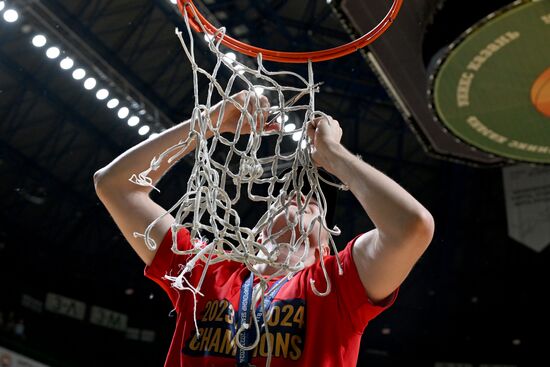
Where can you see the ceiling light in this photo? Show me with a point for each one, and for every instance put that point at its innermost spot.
(174, 1)
(280, 118)
(102, 94)
(11, 15)
(123, 113)
(303, 144)
(39, 40)
(230, 57)
(79, 74)
(90, 83)
(208, 37)
(289, 127)
(240, 69)
(259, 90)
(112, 103)
(66, 63)
(26, 29)
(297, 136)
(153, 135)
(2, 5)
(133, 121)
(144, 130)
(53, 53)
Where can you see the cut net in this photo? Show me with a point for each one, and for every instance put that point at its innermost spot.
(264, 167)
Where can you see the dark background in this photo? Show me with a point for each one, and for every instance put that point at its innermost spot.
(476, 296)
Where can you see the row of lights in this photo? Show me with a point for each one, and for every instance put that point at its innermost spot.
(11, 15)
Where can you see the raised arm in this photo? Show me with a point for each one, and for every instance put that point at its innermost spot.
(129, 204)
(404, 228)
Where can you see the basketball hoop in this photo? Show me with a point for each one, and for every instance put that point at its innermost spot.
(196, 19)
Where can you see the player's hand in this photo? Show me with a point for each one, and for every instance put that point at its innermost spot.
(324, 133)
(257, 107)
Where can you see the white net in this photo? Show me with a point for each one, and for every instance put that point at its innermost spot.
(265, 167)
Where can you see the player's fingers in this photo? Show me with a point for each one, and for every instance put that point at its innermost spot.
(318, 121)
(325, 120)
(253, 99)
(334, 124)
(331, 121)
(274, 126)
(264, 102)
(311, 127)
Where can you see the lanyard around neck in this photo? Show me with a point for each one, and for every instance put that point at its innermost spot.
(243, 315)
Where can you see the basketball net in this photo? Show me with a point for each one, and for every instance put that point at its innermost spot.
(246, 162)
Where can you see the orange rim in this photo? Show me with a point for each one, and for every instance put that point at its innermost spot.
(196, 19)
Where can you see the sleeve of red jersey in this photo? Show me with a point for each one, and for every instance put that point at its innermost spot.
(166, 262)
(352, 299)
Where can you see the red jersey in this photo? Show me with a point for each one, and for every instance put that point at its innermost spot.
(304, 329)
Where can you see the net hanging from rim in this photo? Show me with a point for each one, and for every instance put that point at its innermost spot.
(216, 225)
(229, 169)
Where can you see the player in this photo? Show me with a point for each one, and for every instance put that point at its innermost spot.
(304, 329)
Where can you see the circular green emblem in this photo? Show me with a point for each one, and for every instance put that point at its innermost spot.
(492, 89)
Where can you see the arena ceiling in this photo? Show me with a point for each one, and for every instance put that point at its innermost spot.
(475, 297)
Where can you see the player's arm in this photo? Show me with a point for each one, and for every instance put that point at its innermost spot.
(129, 204)
(404, 228)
